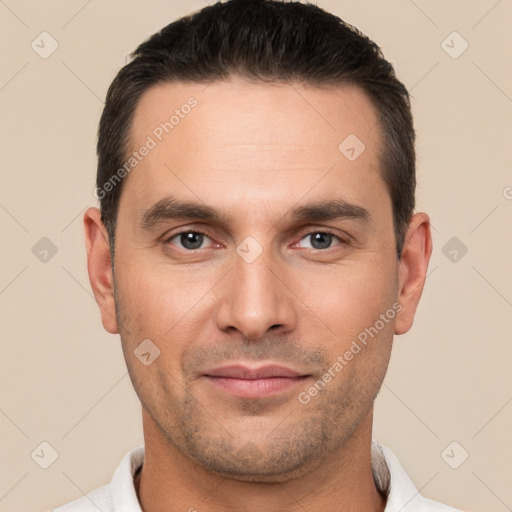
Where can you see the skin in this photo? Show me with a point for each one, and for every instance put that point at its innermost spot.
(255, 151)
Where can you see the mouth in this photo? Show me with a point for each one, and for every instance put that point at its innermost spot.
(263, 381)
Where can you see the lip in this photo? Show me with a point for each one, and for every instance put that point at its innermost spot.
(258, 382)
(238, 371)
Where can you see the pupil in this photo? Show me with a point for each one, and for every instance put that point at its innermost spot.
(191, 240)
(321, 240)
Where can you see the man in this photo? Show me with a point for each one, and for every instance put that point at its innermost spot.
(256, 249)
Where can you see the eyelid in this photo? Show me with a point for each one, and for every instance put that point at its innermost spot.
(343, 240)
(167, 237)
(308, 231)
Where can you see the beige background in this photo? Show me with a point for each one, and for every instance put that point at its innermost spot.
(63, 379)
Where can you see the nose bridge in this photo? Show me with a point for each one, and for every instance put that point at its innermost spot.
(254, 299)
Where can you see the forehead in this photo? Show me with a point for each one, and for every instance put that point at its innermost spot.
(261, 139)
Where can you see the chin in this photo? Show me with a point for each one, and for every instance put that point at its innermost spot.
(252, 464)
(257, 474)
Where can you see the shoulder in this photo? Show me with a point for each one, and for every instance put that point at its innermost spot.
(403, 495)
(426, 505)
(97, 499)
(119, 494)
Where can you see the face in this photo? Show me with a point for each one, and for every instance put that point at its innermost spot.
(270, 298)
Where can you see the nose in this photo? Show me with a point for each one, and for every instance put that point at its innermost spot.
(254, 299)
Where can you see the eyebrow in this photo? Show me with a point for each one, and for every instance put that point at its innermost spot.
(170, 208)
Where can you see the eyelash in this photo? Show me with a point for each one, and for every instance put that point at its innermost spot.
(309, 233)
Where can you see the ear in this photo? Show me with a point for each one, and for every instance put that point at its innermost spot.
(99, 266)
(413, 270)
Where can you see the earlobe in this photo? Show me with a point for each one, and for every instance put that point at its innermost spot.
(416, 254)
(99, 267)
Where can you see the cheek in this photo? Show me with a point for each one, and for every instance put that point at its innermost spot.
(350, 298)
(159, 304)
(159, 300)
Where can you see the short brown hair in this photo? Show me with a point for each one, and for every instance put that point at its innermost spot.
(264, 40)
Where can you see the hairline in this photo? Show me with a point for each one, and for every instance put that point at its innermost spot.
(326, 85)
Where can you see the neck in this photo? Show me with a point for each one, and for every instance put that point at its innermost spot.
(343, 482)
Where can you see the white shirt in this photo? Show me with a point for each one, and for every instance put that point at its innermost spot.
(390, 476)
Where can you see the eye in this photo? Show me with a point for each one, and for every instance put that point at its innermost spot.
(321, 239)
(189, 240)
